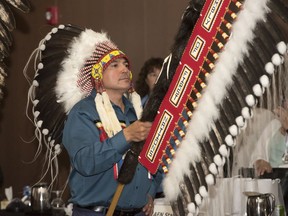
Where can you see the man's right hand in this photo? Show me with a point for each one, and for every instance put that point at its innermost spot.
(262, 166)
(137, 131)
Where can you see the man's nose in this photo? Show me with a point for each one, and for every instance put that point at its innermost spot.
(124, 68)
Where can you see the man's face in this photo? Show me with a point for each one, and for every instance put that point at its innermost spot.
(117, 76)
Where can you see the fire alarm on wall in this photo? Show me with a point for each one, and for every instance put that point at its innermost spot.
(52, 15)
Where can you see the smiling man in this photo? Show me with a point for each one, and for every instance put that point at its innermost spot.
(98, 132)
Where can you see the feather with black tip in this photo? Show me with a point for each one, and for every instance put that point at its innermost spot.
(6, 15)
(22, 5)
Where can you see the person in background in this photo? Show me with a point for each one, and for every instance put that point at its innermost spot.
(144, 85)
(147, 78)
(276, 145)
(98, 133)
(266, 137)
(277, 150)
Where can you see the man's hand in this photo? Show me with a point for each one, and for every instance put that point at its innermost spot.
(148, 209)
(137, 131)
(262, 166)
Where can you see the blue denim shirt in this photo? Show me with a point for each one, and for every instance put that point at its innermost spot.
(92, 180)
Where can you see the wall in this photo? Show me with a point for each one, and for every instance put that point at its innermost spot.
(141, 28)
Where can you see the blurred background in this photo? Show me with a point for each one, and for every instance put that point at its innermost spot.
(141, 28)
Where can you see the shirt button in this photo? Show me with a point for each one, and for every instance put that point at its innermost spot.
(136, 187)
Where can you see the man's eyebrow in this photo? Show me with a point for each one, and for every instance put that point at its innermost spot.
(120, 59)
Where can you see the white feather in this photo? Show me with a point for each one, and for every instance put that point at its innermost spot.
(170, 186)
(80, 50)
(253, 11)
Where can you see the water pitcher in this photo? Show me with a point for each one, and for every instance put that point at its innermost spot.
(260, 204)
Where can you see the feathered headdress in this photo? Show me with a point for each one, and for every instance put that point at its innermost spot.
(69, 63)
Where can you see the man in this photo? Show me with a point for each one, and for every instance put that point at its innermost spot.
(97, 134)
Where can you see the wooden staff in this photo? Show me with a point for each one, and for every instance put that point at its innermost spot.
(115, 199)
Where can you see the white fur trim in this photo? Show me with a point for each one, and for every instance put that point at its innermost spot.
(57, 149)
(39, 124)
(35, 83)
(269, 68)
(209, 179)
(61, 26)
(264, 80)
(104, 117)
(203, 191)
(213, 168)
(57, 146)
(276, 59)
(282, 47)
(191, 207)
(42, 47)
(229, 140)
(45, 131)
(198, 199)
(109, 113)
(223, 150)
(171, 187)
(35, 102)
(250, 100)
(257, 90)
(245, 112)
(40, 66)
(233, 130)
(54, 30)
(136, 101)
(36, 114)
(217, 160)
(48, 36)
(52, 143)
(240, 121)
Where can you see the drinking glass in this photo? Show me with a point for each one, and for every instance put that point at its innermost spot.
(57, 203)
